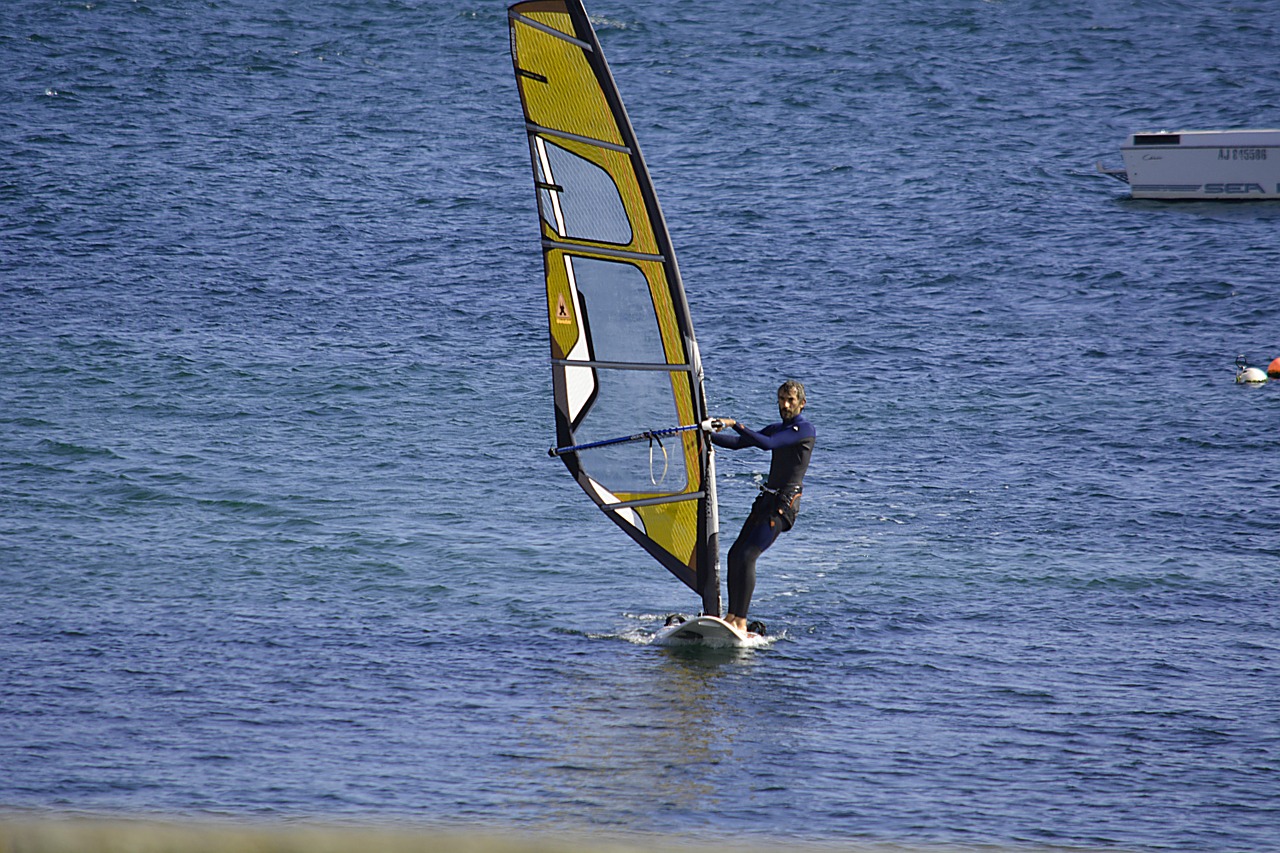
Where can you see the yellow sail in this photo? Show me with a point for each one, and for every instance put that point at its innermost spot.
(623, 355)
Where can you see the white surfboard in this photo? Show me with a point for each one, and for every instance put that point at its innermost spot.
(709, 631)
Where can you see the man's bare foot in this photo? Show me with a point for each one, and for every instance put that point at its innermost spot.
(739, 622)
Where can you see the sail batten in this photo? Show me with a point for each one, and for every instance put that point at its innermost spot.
(586, 250)
(621, 365)
(653, 501)
(551, 31)
(586, 140)
(623, 355)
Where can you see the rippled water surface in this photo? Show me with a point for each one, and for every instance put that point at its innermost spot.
(279, 537)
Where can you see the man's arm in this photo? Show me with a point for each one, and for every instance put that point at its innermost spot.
(732, 441)
(774, 436)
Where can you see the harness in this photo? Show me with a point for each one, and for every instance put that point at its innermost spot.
(774, 505)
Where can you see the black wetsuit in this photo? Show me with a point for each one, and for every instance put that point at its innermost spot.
(774, 511)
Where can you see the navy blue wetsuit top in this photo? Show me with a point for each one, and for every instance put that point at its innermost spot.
(791, 442)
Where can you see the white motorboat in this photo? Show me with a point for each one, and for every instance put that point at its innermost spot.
(1201, 164)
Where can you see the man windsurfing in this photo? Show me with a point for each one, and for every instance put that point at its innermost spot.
(774, 511)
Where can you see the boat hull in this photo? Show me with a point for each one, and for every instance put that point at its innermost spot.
(1204, 164)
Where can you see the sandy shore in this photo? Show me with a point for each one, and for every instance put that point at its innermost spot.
(46, 834)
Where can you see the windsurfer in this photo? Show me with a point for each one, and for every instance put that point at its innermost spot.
(774, 511)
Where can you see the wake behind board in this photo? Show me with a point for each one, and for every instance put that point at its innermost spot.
(710, 631)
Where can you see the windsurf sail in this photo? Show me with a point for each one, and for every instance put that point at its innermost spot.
(624, 363)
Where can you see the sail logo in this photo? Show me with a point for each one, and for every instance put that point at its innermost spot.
(562, 311)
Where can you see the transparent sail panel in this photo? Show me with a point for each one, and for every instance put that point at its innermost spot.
(629, 402)
(586, 204)
(620, 317)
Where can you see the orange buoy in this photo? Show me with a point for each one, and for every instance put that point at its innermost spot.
(1273, 369)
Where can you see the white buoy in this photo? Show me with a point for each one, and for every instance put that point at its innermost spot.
(1249, 375)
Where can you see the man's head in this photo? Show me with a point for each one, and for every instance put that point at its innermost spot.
(790, 399)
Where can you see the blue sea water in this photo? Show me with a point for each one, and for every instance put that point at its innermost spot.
(278, 533)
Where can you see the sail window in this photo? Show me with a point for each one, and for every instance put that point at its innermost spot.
(630, 401)
(578, 198)
(616, 302)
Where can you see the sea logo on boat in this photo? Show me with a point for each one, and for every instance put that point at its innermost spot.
(1234, 189)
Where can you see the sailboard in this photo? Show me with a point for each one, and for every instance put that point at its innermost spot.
(627, 377)
(707, 631)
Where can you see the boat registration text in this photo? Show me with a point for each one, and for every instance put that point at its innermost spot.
(1242, 153)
